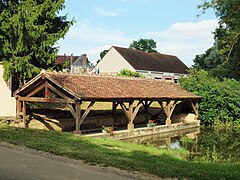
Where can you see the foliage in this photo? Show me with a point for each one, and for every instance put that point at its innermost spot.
(220, 99)
(227, 37)
(209, 60)
(146, 45)
(103, 53)
(126, 72)
(132, 157)
(151, 123)
(29, 31)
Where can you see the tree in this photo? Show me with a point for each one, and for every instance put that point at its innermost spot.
(29, 31)
(227, 35)
(147, 45)
(209, 60)
(103, 53)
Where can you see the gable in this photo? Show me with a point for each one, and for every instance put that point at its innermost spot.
(113, 62)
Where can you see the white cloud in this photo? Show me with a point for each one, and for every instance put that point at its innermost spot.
(87, 32)
(104, 12)
(89, 39)
(185, 40)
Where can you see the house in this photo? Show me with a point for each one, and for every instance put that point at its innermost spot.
(81, 65)
(7, 102)
(74, 64)
(151, 65)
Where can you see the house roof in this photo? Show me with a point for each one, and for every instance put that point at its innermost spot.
(141, 60)
(62, 58)
(95, 87)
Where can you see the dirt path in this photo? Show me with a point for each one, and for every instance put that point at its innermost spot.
(21, 163)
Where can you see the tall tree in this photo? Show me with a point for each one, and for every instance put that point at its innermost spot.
(227, 35)
(29, 31)
(147, 45)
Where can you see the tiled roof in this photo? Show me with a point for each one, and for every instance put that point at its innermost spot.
(140, 60)
(61, 59)
(105, 87)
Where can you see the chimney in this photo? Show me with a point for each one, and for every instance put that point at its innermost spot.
(84, 60)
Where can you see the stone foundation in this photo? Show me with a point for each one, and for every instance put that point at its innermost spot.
(146, 131)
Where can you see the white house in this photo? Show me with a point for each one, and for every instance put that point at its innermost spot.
(7, 102)
(151, 65)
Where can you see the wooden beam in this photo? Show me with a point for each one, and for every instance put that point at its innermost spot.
(114, 106)
(72, 111)
(37, 99)
(58, 92)
(87, 111)
(172, 108)
(125, 110)
(46, 89)
(195, 108)
(136, 109)
(146, 104)
(35, 91)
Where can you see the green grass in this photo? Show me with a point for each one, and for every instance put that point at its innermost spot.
(132, 157)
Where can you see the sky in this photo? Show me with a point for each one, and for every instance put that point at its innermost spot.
(173, 24)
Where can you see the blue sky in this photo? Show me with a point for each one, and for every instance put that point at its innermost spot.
(172, 23)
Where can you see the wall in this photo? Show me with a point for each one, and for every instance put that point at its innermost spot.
(112, 63)
(7, 103)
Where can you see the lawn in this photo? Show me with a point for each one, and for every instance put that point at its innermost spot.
(132, 157)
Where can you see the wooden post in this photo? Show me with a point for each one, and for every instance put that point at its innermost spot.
(146, 104)
(114, 107)
(24, 114)
(168, 109)
(131, 113)
(19, 110)
(195, 108)
(78, 116)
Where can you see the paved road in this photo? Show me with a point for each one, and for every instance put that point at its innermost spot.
(26, 164)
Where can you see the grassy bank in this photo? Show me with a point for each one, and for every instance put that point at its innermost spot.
(164, 163)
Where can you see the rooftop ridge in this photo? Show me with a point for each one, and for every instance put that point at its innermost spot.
(109, 76)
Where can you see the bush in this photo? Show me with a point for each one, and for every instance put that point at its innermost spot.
(126, 72)
(221, 99)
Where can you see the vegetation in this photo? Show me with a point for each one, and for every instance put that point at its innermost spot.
(29, 29)
(133, 157)
(126, 72)
(222, 60)
(220, 101)
(103, 53)
(146, 45)
(220, 144)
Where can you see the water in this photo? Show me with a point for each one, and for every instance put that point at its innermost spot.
(217, 145)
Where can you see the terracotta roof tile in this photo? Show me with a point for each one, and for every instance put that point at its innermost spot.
(105, 87)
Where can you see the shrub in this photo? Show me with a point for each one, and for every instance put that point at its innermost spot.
(126, 72)
(221, 99)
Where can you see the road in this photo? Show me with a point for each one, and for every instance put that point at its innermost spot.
(22, 163)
